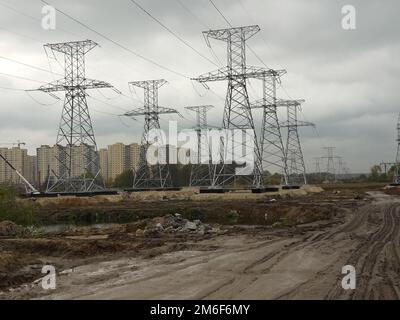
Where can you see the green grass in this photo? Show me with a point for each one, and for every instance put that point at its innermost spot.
(356, 186)
(13, 210)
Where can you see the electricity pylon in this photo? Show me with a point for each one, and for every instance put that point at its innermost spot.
(201, 171)
(78, 160)
(237, 111)
(330, 166)
(396, 178)
(271, 142)
(294, 154)
(152, 175)
(317, 166)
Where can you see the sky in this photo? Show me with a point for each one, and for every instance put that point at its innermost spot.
(348, 78)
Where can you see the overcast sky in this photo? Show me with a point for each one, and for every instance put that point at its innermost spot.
(349, 78)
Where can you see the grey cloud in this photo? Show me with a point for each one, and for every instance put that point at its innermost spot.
(349, 78)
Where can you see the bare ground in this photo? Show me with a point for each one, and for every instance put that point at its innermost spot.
(302, 261)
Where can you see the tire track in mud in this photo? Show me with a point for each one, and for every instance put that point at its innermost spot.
(387, 234)
(373, 260)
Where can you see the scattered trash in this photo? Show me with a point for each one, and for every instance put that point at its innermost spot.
(175, 224)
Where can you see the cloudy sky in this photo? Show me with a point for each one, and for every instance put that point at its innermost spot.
(349, 78)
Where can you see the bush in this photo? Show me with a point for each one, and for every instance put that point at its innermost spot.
(13, 210)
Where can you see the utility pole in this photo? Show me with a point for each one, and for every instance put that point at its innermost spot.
(237, 111)
(294, 154)
(151, 176)
(78, 160)
(271, 142)
(201, 172)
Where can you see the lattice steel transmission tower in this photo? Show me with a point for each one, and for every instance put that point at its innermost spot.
(317, 166)
(294, 154)
(151, 176)
(330, 166)
(396, 178)
(202, 171)
(271, 142)
(78, 160)
(237, 111)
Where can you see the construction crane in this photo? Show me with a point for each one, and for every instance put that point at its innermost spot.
(28, 186)
(18, 143)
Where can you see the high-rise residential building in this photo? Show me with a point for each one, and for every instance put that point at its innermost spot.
(103, 158)
(21, 161)
(47, 163)
(117, 159)
(83, 156)
(5, 172)
(134, 156)
(113, 160)
(30, 169)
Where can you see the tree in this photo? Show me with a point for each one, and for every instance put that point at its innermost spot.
(375, 173)
(124, 180)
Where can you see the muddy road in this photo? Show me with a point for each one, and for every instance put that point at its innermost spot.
(304, 262)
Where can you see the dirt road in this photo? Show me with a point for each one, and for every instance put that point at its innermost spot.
(300, 263)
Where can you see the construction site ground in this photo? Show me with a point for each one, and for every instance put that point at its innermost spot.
(185, 245)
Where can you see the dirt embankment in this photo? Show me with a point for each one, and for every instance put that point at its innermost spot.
(23, 251)
(214, 208)
(158, 227)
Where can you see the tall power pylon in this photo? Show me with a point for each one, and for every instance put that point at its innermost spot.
(396, 178)
(330, 166)
(317, 166)
(271, 142)
(202, 171)
(294, 154)
(149, 176)
(78, 160)
(237, 111)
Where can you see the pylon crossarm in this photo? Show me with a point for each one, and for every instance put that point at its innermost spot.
(227, 73)
(145, 111)
(260, 72)
(259, 104)
(146, 83)
(217, 75)
(61, 85)
(298, 124)
(225, 34)
(66, 47)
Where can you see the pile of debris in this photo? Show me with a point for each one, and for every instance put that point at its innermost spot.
(10, 229)
(176, 224)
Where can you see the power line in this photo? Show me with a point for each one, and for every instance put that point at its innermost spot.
(11, 89)
(20, 77)
(227, 21)
(173, 33)
(192, 14)
(41, 69)
(107, 103)
(221, 14)
(28, 65)
(118, 44)
(32, 17)
(205, 27)
(19, 34)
